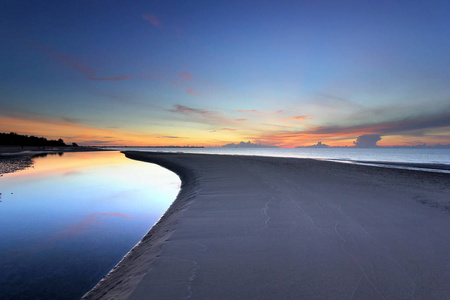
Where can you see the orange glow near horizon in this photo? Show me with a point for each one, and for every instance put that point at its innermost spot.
(87, 135)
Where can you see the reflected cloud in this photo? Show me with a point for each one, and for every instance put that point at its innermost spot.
(115, 214)
(88, 222)
(47, 154)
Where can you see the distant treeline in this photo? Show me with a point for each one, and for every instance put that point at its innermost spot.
(14, 139)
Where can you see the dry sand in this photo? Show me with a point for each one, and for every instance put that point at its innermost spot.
(282, 228)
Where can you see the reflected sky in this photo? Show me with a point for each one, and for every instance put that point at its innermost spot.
(69, 219)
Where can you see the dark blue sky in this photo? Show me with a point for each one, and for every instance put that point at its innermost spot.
(212, 72)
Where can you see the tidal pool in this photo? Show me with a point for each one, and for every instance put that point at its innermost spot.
(70, 218)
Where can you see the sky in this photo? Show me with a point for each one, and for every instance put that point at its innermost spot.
(208, 73)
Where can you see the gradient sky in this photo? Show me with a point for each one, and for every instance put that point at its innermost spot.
(285, 73)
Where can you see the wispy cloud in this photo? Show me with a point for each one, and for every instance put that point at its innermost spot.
(79, 65)
(415, 126)
(186, 75)
(192, 92)
(71, 62)
(390, 127)
(111, 78)
(298, 118)
(224, 129)
(258, 112)
(189, 110)
(179, 31)
(183, 77)
(149, 76)
(253, 111)
(70, 120)
(206, 114)
(335, 101)
(171, 137)
(152, 19)
(240, 120)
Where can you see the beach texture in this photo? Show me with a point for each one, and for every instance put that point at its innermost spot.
(282, 228)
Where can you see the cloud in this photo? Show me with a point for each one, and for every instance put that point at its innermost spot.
(192, 92)
(179, 31)
(210, 115)
(391, 127)
(171, 137)
(151, 19)
(276, 125)
(80, 66)
(240, 120)
(253, 111)
(98, 142)
(111, 78)
(224, 129)
(417, 126)
(150, 76)
(335, 101)
(186, 75)
(298, 118)
(185, 109)
(72, 62)
(367, 141)
(258, 112)
(70, 120)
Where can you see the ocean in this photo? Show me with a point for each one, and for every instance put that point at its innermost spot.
(424, 159)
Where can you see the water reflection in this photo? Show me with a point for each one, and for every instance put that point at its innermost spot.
(47, 154)
(69, 219)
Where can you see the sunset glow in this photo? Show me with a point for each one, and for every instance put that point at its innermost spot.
(202, 73)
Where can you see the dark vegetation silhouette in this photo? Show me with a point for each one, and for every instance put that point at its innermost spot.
(14, 139)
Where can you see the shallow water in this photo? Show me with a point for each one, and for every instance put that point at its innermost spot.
(68, 220)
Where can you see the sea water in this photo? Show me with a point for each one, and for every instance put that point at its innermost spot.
(70, 218)
(372, 156)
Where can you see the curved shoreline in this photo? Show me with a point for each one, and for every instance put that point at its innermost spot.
(262, 227)
(119, 283)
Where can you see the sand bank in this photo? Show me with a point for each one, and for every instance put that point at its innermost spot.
(281, 228)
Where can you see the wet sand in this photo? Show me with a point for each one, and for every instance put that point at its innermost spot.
(283, 228)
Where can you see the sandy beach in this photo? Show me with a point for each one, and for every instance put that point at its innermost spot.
(280, 228)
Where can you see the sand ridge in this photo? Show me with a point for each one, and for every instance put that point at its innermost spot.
(285, 228)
